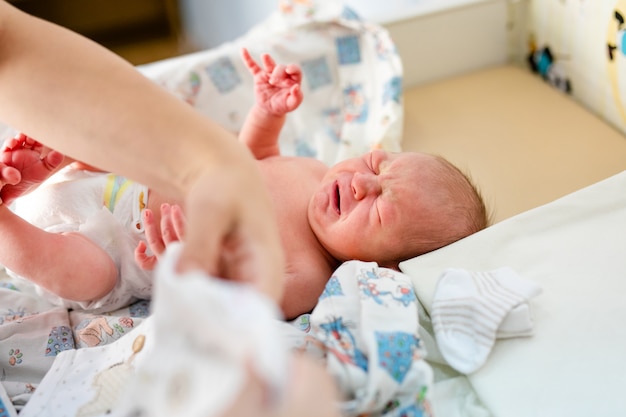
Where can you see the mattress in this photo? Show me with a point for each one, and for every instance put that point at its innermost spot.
(574, 248)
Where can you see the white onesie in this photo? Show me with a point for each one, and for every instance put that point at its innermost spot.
(104, 207)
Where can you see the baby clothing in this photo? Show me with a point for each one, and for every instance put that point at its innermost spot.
(105, 208)
(471, 309)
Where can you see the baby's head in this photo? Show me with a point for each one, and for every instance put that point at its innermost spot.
(389, 207)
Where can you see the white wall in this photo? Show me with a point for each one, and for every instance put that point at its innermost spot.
(441, 38)
(435, 38)
(209, 23)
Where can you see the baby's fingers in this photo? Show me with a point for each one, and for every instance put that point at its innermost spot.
(294, 72)
(285, 76)
(172, 224)
(269, 63)
(278, 77)
(250, 63)
(295, 98)
(178, 221)
(145, 261)
(153, 234)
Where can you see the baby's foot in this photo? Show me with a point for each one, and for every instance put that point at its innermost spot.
(23, 166)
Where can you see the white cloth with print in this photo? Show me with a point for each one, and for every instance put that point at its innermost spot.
(6, 407)
(90, 382)
(352, 80)
(204, 332)
(366, 326)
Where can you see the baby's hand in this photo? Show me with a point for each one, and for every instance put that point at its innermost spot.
(171, 230)
(277, 87)
(24, 164)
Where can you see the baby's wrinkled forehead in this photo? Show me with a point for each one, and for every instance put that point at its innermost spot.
(422, 162)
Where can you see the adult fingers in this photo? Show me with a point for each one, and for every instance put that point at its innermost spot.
(247, 258)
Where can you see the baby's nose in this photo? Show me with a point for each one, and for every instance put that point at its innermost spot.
(364, 184)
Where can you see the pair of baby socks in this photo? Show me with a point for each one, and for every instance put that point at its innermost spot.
(471, 309)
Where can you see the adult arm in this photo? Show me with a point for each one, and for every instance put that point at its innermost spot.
(79, 98)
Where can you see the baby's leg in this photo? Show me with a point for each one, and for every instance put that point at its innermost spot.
(68, 264)
(24, 164)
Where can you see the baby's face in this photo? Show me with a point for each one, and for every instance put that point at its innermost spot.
(365, 206)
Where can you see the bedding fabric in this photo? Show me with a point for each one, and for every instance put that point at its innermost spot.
(352, 80)
(366, 324)
(190, 357)
(365, 327)
(575, 249)
(33, 332)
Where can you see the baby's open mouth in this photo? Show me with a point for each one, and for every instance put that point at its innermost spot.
(337, 199)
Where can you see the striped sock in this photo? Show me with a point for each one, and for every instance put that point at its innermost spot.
(469, 309)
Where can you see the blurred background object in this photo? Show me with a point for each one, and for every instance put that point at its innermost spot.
(144, 31)
(139, 30)
(209, 23)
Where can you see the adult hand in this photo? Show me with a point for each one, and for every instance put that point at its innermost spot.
(231, 230)
(99, 109)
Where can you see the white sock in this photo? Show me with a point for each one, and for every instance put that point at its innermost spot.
(469, 309)
(517, 323)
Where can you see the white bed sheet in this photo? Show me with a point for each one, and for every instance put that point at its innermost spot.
(575, 249)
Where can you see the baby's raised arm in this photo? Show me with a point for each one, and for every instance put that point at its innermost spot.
(277, 91)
